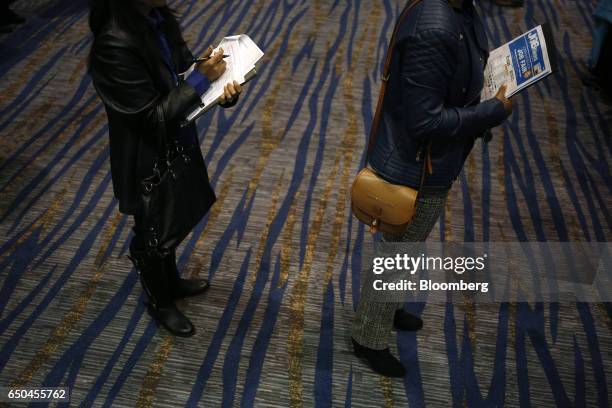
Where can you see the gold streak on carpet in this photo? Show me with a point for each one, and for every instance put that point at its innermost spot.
(22, 176)
(386, 386)
(62, 330)
(470, 313)
(369, 56)
(347, 149)
(48, 217)
(605, 315)
(297, 301)
(27, 124)
(556, 165)
(298, 298)
(22, 75)
(287, 244)
(579, 36)
(318, 18)
(266, 228)
(501, 185)
(475, 193)
(468, 303)
(151, 379)
(270, 135)
(448, 236)
(200, 262)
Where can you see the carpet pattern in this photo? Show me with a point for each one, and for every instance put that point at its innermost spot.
(280, 246)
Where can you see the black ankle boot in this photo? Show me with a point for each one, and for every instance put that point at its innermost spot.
(182, 288)
(381, 361)
(155, 281)
(405, 321)
(172, 319)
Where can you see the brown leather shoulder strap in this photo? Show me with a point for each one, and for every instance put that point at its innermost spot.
(385, 77)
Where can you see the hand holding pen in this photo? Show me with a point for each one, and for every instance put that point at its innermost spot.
(202, 59)
(211, 65)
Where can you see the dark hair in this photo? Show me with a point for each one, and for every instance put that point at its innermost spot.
(128, 18)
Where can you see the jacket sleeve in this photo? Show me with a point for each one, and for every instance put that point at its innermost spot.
(123, 81)
(427, 68)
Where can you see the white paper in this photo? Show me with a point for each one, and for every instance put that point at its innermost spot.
(518, 64)
(243, 55)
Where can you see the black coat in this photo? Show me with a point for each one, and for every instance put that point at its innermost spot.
(142, 102)
(432, 97)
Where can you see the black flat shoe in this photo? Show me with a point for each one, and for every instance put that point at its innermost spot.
(189, 287)
(381, 361)
(172, 319)
(406, 322)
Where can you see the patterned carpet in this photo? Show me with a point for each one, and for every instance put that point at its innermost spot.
(280, 246)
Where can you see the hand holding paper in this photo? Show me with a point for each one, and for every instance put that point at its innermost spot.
(230, 92)
(242, 55)
(501, 95)
(520, 63)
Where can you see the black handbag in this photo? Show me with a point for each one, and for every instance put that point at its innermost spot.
(175, 197)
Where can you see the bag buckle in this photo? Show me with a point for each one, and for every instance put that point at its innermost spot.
(385, 77)
(374, 226)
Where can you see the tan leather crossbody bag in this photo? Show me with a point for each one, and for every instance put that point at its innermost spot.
(379, 204)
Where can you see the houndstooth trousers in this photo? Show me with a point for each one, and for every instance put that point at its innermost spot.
(373, 320)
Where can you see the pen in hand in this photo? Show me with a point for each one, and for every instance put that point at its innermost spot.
(202, 59)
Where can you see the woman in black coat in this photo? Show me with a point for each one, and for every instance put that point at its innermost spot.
(136, 61)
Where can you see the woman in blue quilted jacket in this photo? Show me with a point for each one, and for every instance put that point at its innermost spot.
(431, 116)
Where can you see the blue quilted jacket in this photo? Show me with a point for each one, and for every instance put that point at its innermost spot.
(432, 97)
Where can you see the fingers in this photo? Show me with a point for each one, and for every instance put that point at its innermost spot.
(237, 87)
(215, 65)
(217, 57)
(224, 97)
(208, 52)
(234, 89)
(231, 89)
